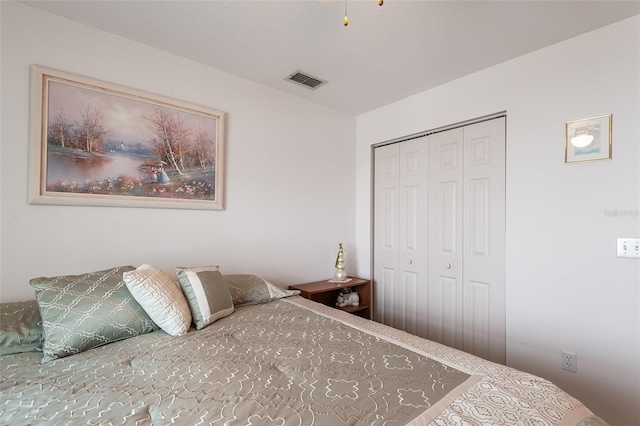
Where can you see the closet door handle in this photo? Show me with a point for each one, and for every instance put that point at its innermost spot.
(410, 261)
(448, 266)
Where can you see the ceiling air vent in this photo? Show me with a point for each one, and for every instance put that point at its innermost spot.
(304, 79)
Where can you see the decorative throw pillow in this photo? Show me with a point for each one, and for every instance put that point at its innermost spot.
(161, 297)
(249, 289)
(207, 293)
(80, 312)
(20, 327)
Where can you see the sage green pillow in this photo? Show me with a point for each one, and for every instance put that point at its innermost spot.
(247, 289)
(80, 312)
(20, 327)
(207, 293)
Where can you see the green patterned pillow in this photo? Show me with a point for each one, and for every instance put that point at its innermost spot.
(207, 293)
(80, 312)
(20, 328)
(249, 289)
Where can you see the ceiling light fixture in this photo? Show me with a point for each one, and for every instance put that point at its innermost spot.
(345, 21)
(582, 138)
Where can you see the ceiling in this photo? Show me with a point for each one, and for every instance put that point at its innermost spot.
(385, 53)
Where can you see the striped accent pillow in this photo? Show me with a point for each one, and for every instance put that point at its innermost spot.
(207, 293)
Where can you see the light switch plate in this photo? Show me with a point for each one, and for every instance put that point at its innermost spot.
(629, 247)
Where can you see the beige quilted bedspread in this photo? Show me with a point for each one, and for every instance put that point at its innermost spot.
(279, 364)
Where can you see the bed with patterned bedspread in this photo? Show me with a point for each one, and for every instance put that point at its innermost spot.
(287, 361)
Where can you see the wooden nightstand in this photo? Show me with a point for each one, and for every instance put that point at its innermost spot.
(326, 293)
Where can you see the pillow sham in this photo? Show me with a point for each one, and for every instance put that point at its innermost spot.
(161, 297)
(20, 327)
(207, 293)
(247, 289)
(80, 312)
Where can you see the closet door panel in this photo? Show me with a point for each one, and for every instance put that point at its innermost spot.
(478, 333)
(385, 232)
(444, 318)
(406, 306)
(406, 298)
(448, 217)
(444, 224)
(386, 288)
(412, 254)
(400, 235)
(484, 230)
(479, 217)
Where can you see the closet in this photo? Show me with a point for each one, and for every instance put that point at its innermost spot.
(439, 236)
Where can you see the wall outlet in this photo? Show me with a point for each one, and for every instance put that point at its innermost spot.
(629, 247)
(570, 362)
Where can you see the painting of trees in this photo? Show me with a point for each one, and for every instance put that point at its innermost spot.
(91, 129)
(86, 135)
(202, 148)
(176, 144)
(121, 146)
(61, 130)
(170, 136)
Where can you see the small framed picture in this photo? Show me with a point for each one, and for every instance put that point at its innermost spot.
(588, 139)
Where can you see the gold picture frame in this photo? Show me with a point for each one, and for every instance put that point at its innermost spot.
(589, 139)
(94, 143)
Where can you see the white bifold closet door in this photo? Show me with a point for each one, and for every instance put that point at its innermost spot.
(439, 237)
(400, 234)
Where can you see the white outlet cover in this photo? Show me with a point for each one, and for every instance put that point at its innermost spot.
(570, 362)
(629, 247)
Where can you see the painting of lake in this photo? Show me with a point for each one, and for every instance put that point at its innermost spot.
(103, 142)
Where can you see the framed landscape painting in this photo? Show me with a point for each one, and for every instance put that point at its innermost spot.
(100, 144)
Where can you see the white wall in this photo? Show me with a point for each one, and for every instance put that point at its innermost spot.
(289, 170)
(566, 290)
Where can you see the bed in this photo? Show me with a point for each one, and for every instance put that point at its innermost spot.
(275, 359)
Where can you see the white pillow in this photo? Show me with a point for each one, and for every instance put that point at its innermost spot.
(160, 297)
